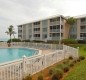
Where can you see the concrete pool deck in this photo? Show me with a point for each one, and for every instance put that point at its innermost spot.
(43, 51)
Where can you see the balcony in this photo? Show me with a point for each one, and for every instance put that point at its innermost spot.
(36, 26)
(56, 38)
(37, 32)
(83, 30)
(55, 23)
(19, 28)
(36, 38)
(56, 30)
(83, 23)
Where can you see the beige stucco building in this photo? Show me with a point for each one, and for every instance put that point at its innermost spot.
(53, 28)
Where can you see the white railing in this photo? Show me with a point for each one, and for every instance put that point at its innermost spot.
(19, 69)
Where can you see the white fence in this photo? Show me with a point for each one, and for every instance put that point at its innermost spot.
(16, 70)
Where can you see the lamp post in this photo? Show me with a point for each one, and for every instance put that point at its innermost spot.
(60, 34)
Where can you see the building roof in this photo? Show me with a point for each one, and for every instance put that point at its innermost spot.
(50, 17)
(80, 16)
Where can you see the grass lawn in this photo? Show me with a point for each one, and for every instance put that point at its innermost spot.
(79, 71)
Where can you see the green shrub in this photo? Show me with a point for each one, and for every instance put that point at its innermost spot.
(14, 40)
(65, 61)
(71, 64)
(57, 75)
(78, 59)
(50, 71)
(81, 57)
(65, 68)
(74, 61)
(53, 41)
(60, 66)
(69, 41)
(25, 40)
(40, 77)
(70, 58)
(28, 77)
(82, 41)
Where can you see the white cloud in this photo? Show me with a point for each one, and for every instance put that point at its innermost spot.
(20, 11)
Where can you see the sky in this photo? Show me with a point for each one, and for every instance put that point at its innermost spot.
(15, 12)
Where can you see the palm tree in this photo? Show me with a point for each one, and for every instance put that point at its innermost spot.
(10, 32)
(71, 21)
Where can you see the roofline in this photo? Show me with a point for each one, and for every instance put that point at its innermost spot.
(80, 16)
(43, 19)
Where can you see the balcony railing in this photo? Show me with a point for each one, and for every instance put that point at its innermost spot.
(56, 30)
(54, 23)
(83, 23)
(56, 38)
(36, 26)
(19, 28)
(36, 38)
(36, 31)
(83, 30)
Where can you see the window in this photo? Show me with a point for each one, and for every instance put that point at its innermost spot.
(19, 35)
(36, 23)
(82, 19)
(20, 26)
(55, 19)
(45, 36)
(82, 34)
(44, 29)
(36, 35)
(83, 27)
(19, 31)
(36, 29)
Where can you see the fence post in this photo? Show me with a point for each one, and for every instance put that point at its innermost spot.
(63, 50)
(77, 52)
(24, 61)
(45, 60)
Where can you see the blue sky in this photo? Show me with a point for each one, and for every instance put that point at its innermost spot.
(14, 12)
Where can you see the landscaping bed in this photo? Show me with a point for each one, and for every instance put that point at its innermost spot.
(57, 71)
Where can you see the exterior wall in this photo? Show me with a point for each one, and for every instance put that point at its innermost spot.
(28, 32)
(44, 29)
(78, 28)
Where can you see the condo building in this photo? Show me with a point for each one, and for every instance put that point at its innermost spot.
(53, 28)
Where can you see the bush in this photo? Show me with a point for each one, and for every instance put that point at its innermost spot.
(28, 77)
(50, 71)
(26, 41)
(14, 40)
(71, 64)
(70, 58)
(65, 68)
(59, 66)
(37, 41)
(53, 41)
(81, 57)
(69, 41)
(74, 61)
(78, 59)
(40, 77)
(57, 75)
(66, 62)
(82, 41)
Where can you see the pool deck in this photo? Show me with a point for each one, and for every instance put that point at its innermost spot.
(43, 51)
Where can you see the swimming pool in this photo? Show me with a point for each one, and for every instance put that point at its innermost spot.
(10, 54)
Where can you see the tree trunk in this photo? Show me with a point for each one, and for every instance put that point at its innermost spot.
(14, 36)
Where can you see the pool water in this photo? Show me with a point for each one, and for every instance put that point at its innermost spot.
(10, 54)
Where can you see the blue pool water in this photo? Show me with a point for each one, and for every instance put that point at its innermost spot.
(10, 54)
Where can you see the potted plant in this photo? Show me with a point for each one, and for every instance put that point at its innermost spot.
(9, 43)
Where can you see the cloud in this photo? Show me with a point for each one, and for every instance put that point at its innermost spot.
(14, 12)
